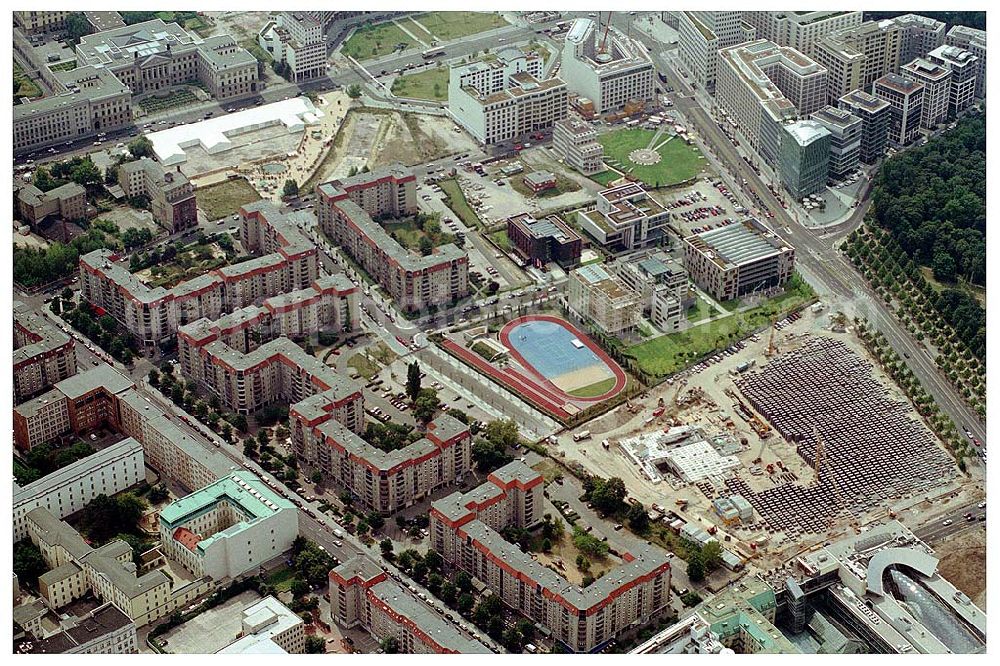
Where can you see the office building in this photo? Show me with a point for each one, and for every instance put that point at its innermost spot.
(855, 57)
(68, 490)
(67, 202)
(40, 23)
(662, 285)
(973, 41)
(692, 635)
(805, 157)
(104, 630)
(170, 194)
(298, 40)
(501, 100)
(874, 114)
(465, 530)
(549, 239)
(269, 627)
(921, 35)
(601, 64)
(800, 30)
(348, 210)
(602, 298)
(762, 85)
(43, 355)
(363, 595)
(76, 570)
(936, 81)
(905, 98)
(964, 68)
(700, 37)
(229, 527)
(625, 217)
(738, 259)
(575, 142)
(845, 139)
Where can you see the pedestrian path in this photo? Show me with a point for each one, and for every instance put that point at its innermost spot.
(410, 34)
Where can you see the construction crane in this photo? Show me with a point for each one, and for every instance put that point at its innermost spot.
(602, 49)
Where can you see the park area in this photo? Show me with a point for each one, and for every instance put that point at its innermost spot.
(656, 157)
(225, 198)
(445, 26)
(671, 353)
(430, 84)
(381, 39)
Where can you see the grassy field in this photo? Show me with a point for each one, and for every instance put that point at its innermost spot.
(25, 86)
(455, 200)
(563, 185)
(431, 84)
(446, 26)
(595, 389)
(154, 104)
(670, 353)
(282, 579)
(678, 161)
(365, 367)
(224, 199)
(373, 41)
(605, 178)
(699, 310)
(502, 240)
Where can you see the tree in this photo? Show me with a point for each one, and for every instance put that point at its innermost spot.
(696, 567)
(315, 645)
(299, 588)
(154, 378)
(354, 91)
(141, 147)
(711, 555)
(463, 581)
(316, 476)
(158, 494)
(77, 26)
(390, 645)
(28, 562)
(638, 519)
(413, 380)
(385, 545)
(426, 245)
(375, 520)
(426, 405)
(291, 188)
(492, 287)
(433, 560)
(263, 438)
(464, 604)
(448, 592)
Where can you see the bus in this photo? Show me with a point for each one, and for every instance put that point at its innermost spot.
(432, 53)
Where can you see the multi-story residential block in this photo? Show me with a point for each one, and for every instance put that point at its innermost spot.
(504, 99)
(805, 157)
(604, 299)
(43, 355)
(228, 527)
(465, 530)
(605, 66)
(575, 142)
(936, 80)
(855, 57)
(906, 100)
(87, 100)
(542, 241)
(762, 85)
(845, 139)
(67, 202)
(104, 630)
(70, 489)
(964, 68)
(700, 37)
(662, 285)
(625, 217)
(269, 627)
(170, 194)
(874, 114)
(298, 40)
(39, 23)
(348, 210)
(800, 30)
(76, 569)
(921, 35)
(362, 594)
(973, 41)
(738, 259)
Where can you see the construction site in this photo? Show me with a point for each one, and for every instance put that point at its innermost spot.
(781, 442)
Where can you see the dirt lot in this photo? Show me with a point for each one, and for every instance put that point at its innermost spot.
(963, 563)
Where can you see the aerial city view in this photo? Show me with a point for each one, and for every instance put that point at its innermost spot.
(512, 332)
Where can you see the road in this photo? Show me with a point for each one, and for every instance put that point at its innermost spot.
(957, 522)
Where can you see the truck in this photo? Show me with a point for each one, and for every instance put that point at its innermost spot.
(580, 436)
(338, 534)
(606, 444)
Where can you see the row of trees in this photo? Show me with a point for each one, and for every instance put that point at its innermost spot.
(102, 329)
(185, 395)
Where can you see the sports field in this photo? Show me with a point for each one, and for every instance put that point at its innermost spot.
(678, 161)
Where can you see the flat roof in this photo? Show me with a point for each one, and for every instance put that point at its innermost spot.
(101, 376)
(738, 243)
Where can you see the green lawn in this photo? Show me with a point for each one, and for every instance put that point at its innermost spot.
(502, 240)
(64, 66)
(282, 579)
(595, 389)
(408, 234)
(222, 199)
(446, 26)
(670, 353)
(455, 200)
(678, 161)
(379, 39)
(365, 367)
(25, 86)
(431, 84)
(699, 310)
(605, 178)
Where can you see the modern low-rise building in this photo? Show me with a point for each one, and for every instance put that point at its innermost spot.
(43, 355)
(625, 217)
(936, 81)
(737, 259)
(170, 194)
(874, 114)
(540, 241)
(845, 139)
(662, 285)
(905, 97)
(603, 298)
(805, 157)
(269, 627)
(605, 66)
(67, 202)
(465, 530)
(964, 68)
(298, 40)
(500, 100)
(575, 142)
(539, 181)
(973, 41)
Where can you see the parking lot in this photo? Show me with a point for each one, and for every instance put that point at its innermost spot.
(212, 630)
(705, 205)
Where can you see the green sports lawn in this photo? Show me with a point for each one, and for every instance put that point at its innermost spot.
(678, 161)
(595, 389)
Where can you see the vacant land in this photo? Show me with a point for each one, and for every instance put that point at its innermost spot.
(431, 84)
(379, 39)
(222, 199)
(678, 161)
(963, 563)
(366, 367)
(670, 353)
(445, 26)
(455, 200)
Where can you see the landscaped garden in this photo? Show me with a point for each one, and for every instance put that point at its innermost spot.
(665, 161)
